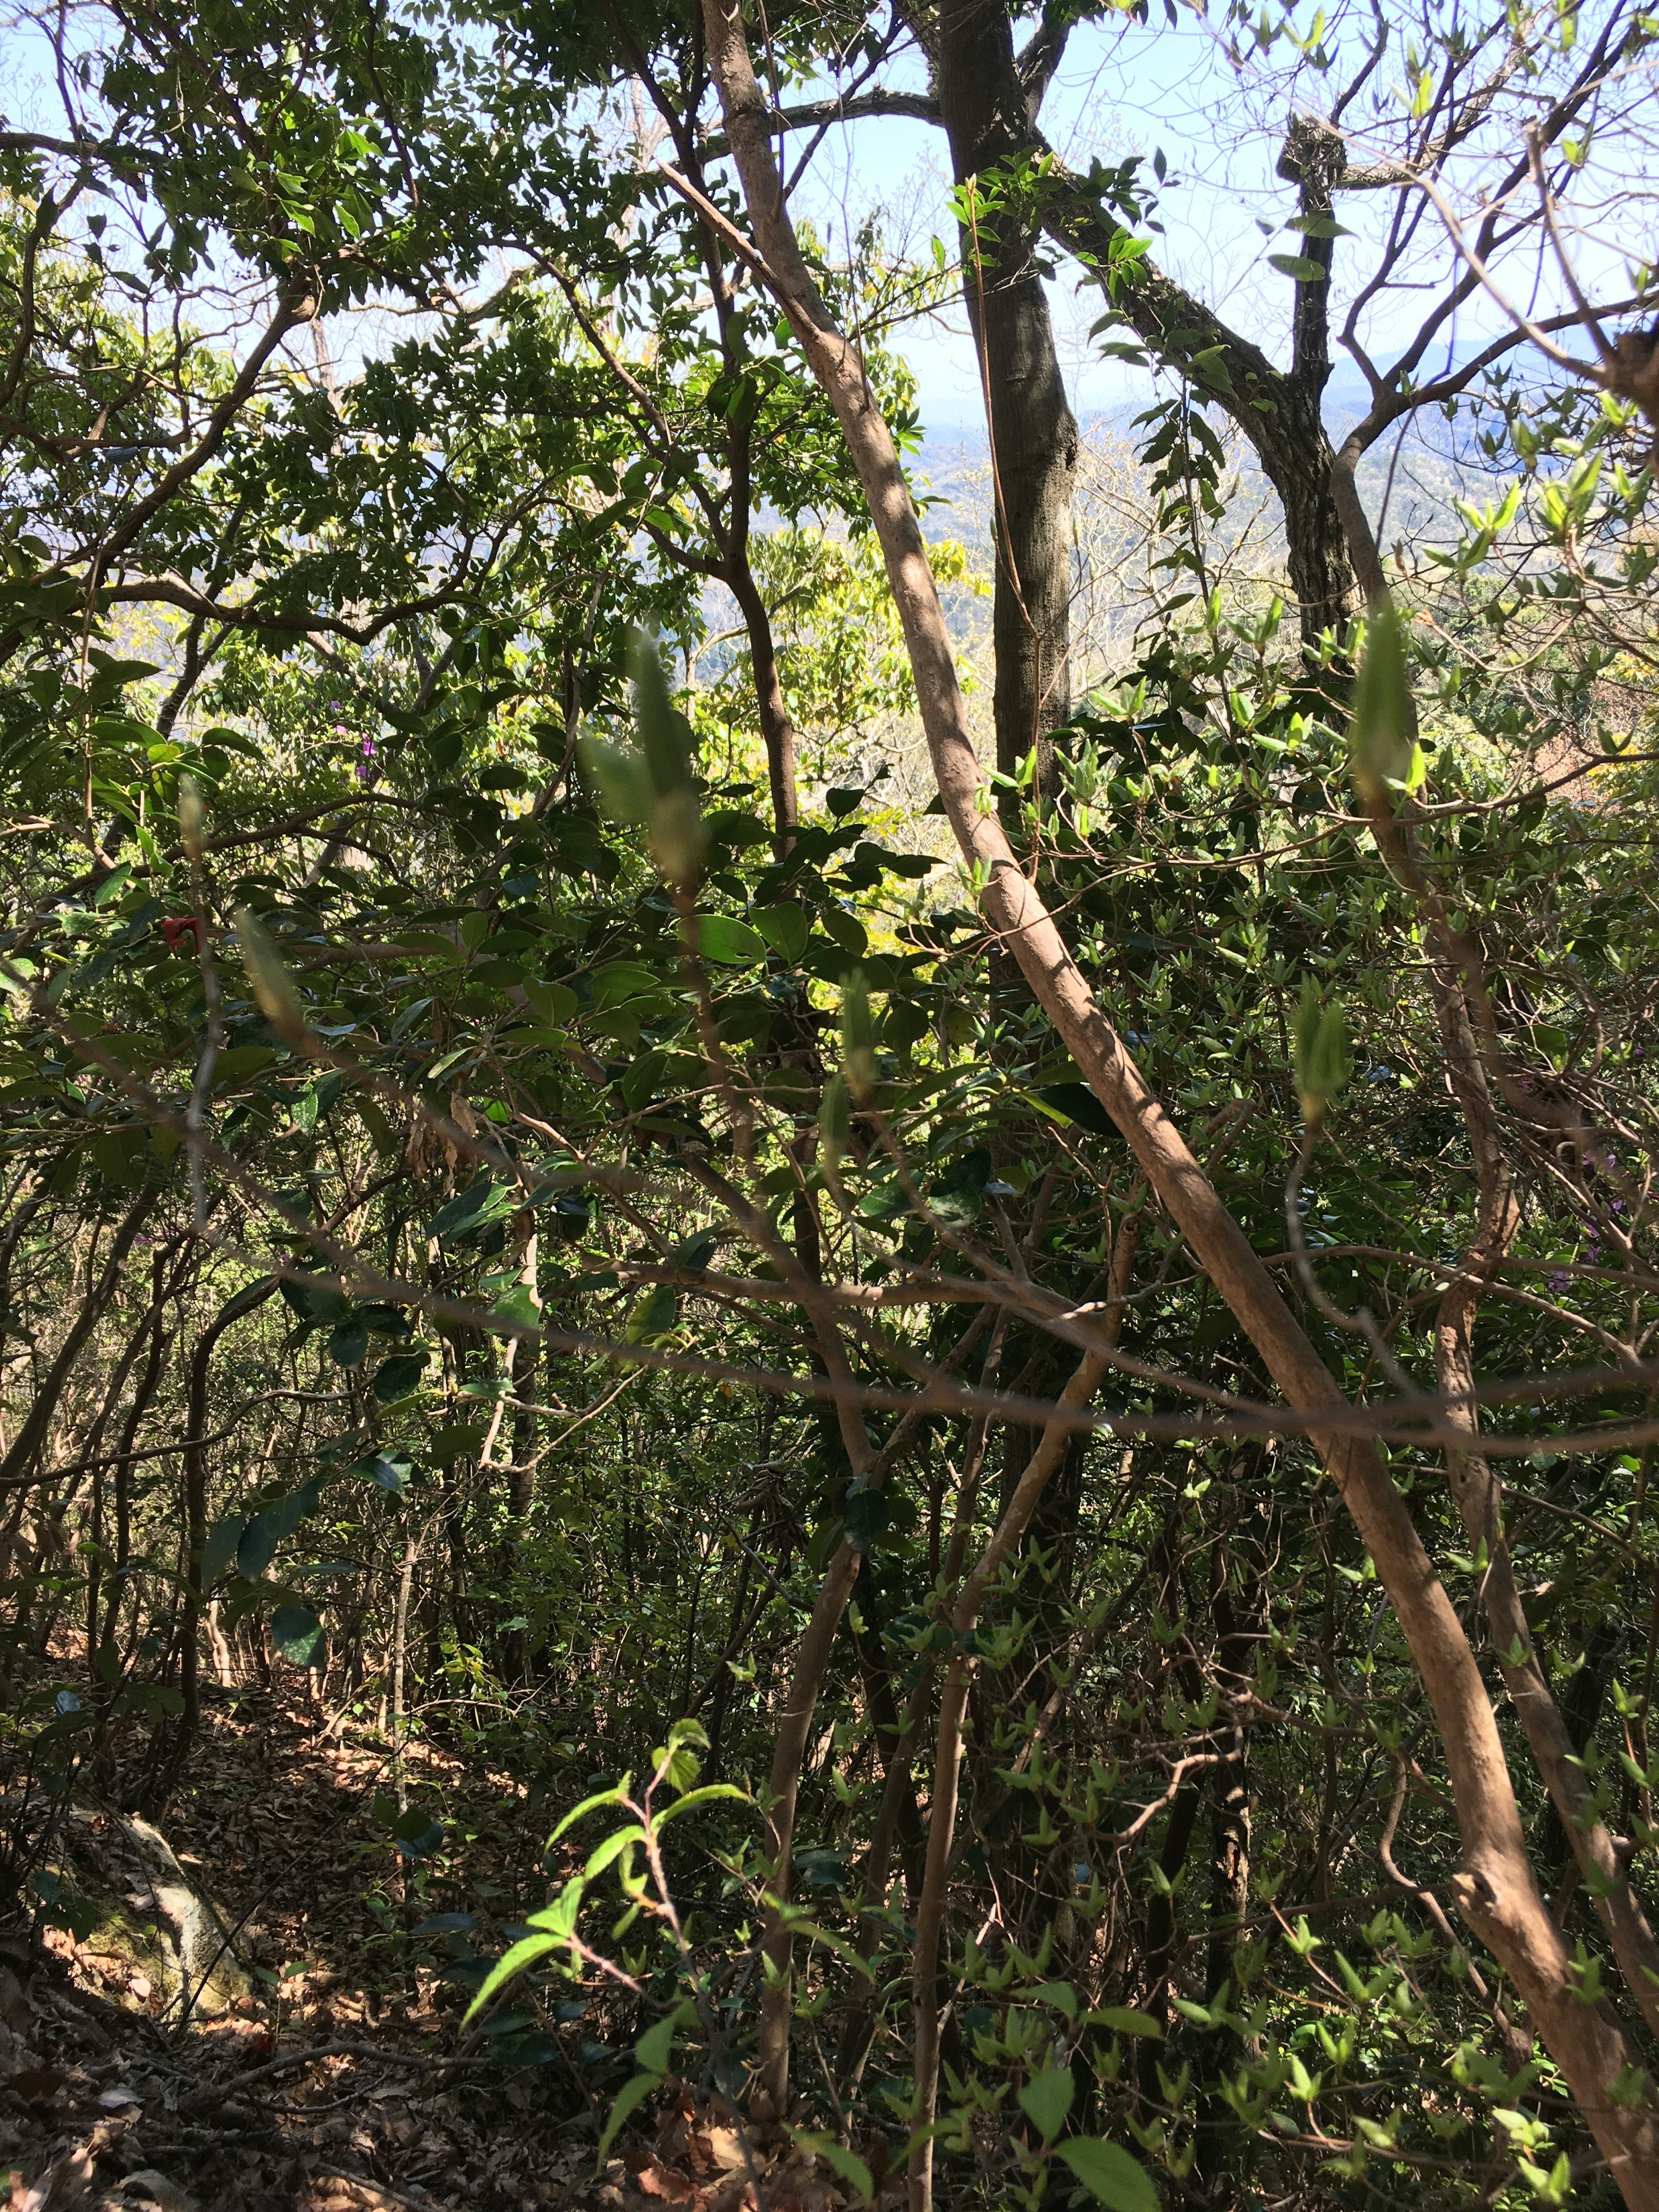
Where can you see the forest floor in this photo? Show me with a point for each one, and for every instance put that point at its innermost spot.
(338, 2079)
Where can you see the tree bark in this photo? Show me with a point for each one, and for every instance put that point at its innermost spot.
(171, 1756)
(1033, 433)
(1495, 1889)
(16, 1468)
(1277, 413)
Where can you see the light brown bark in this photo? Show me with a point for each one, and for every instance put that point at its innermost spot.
(1495, 1889)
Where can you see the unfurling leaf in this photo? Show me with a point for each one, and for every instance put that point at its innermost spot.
(1321, 1052)
(1382, 736)
(654, 783)
(273, 987)
(834, 1121)
(857, 1038)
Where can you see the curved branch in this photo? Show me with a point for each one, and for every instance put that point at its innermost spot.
(814, 114)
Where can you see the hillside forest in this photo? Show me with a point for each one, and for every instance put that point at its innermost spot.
(829, 1264)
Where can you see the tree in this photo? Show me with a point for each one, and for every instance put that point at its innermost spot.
(427, 1032)
(1497, 1892)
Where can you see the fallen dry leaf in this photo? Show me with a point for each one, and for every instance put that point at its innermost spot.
(160, 2190)
(657, 2179)
(733, 2194)
(64, 2182)
(725, 2149)
(38, 2085)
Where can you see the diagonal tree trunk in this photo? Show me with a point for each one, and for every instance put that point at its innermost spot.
(1495, 1889)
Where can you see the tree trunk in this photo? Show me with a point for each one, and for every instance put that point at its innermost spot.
(171, 1755)
(16, 1468)
(1033, 433)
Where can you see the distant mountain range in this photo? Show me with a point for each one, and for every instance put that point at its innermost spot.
(1409, 482)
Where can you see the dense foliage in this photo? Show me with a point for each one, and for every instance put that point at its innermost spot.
(519, 1154)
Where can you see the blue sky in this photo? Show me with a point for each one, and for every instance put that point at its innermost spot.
(1125, 88)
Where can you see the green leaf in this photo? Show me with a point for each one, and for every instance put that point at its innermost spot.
(786, 929)
(651, 1320)
(386, 1321)
(845, 930)
(482, 1201)
(864, 1516)
(1123, 2020)
(720, 937)
(314, 1299)
(1109, 2172)
(835, 1119)
(386, 1470)
(1299, 265)
(842, 1949)
(707, 1794)
(517, 1303)
(839, 2160)
(273, 987)
(665, 736)
(1046, 2099)
(1076, 1102)
(605, 1854)
(240, 1061)
(220, 1548)
(559, 1918)
(614, 1795)
(552, 1004)
(654, 2047)
(627, 2098)
(525, 1953)
(298, 1635)
(400, 1376)
(348, 1342)
(619, 981)
(256, 1547)
(857, 1039)
(112, 885)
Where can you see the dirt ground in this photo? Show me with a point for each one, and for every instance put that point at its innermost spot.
(332, 2074)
